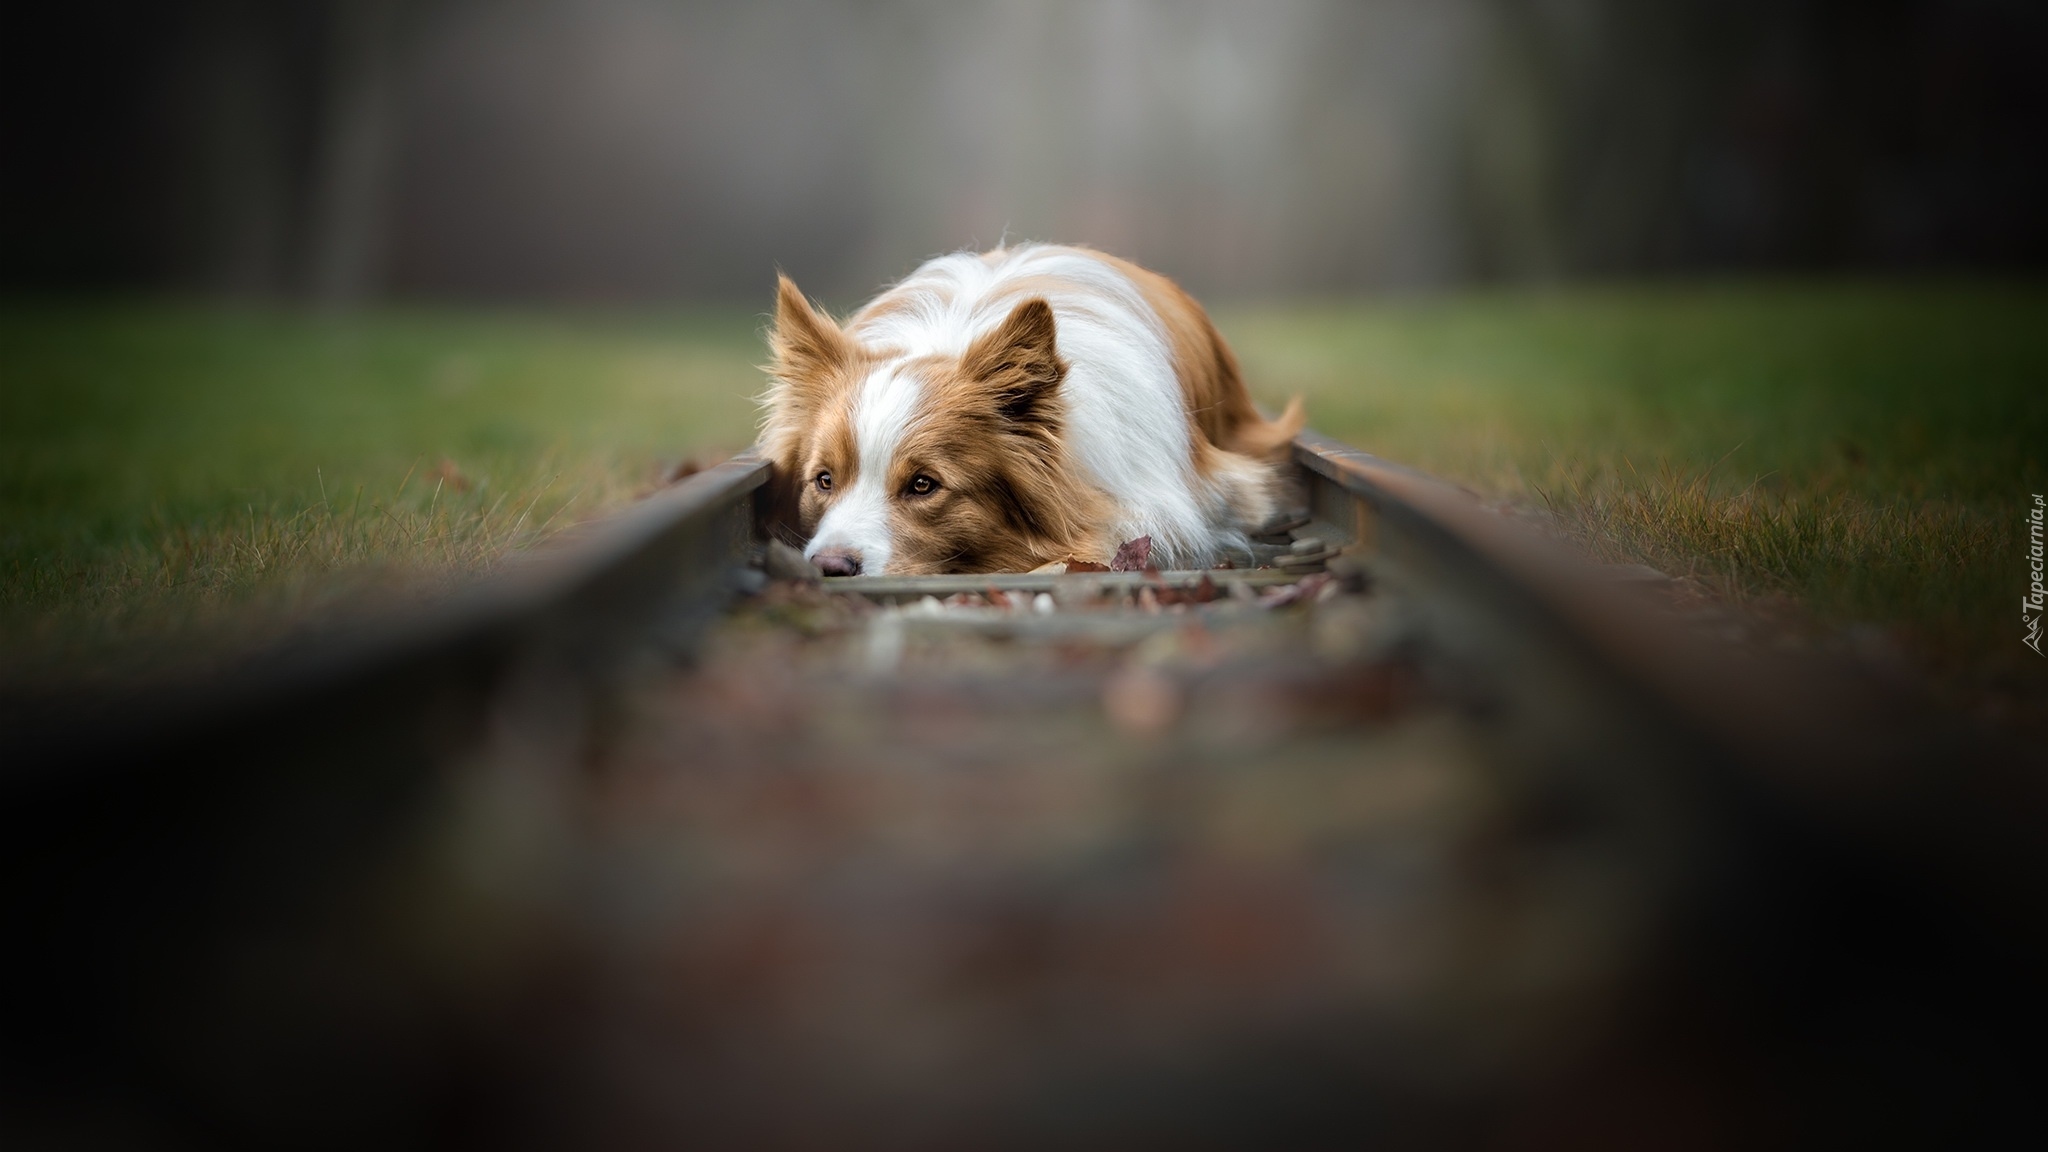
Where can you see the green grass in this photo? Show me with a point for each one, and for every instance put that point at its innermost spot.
(1840, 455)
(190, 478)
(1860, 451)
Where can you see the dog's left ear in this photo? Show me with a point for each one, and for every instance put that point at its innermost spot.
(1019, 365)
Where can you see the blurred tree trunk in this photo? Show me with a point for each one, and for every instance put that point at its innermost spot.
(236, 105)
(287, 123)
(352, 147)
(1511, 148)
(1583, 129)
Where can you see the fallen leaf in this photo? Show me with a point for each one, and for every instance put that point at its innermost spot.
(1134, 556)
(1087, 566)
(1304, 589)
(447, 473)
(1015, 601)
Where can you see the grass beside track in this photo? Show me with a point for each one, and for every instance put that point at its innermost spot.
(186, 480)
(1853, 460)
(1852, 455)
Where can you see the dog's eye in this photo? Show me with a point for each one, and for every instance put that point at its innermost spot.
(923, 485)
(824, 481)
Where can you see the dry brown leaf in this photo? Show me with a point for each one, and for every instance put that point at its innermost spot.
(447, 473)
(1133, 556)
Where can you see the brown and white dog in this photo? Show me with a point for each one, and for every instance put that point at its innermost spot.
(1004, 411)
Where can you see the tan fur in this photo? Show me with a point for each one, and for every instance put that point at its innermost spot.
(813, 370)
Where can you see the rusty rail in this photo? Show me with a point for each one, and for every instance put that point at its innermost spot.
(149, 844)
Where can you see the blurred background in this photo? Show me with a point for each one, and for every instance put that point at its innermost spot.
(318, 307)
(624, 150)
(1664, 269)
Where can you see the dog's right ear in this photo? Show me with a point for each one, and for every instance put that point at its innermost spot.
(806, 343)
(805, 348)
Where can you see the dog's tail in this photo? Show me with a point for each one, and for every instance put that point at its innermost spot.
(1261, 438)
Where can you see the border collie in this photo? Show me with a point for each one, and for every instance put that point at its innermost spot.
(1013, 410)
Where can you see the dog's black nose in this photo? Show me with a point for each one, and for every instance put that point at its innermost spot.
(838, 561)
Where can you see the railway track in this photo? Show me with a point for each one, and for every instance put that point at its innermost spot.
(1415, 828)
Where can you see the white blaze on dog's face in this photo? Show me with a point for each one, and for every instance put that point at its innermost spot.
(850, 475)
(934, 463)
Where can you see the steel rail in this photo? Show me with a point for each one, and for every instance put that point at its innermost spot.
(144, 838)
(649, 578)
(1808, 731)
(150, 840)
(655, 572)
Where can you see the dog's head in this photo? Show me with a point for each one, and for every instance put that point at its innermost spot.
(901, 464)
